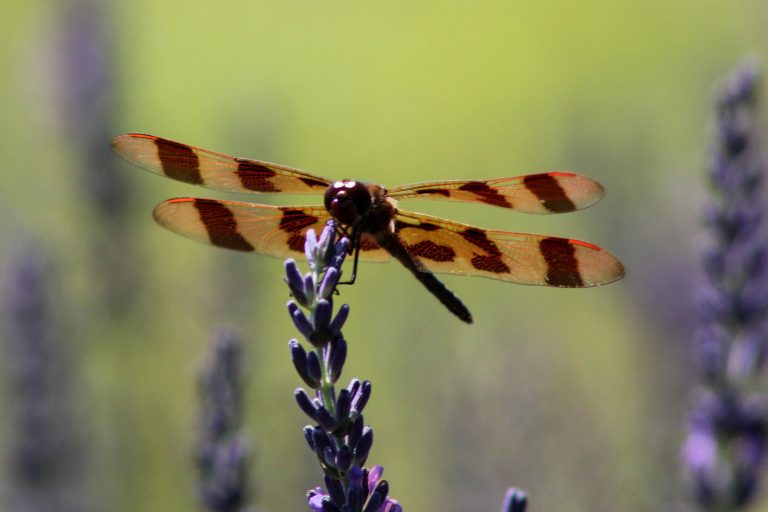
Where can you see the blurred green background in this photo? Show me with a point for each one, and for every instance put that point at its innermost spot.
(576, 396)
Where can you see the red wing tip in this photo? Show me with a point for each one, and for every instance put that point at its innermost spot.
(179, 200)
(136, 135)
(585, 244)
(118, 139)
(124, 136)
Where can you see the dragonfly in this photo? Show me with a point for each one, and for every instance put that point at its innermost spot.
(370, 216)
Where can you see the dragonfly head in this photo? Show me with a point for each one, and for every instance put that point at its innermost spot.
(348, 201)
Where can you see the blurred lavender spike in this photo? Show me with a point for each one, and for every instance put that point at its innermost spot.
(725, 449)
(221, 450)
(44, 451)
(83, 51)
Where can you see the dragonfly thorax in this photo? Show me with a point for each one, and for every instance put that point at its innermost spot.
(348, 201)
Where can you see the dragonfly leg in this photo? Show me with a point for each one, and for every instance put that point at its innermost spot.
(353, 248)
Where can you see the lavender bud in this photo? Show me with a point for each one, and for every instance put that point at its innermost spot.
(355, 431)
(757, 263)
(747, 356)
(299, 359)
(329, 458)
(343, 405)
(300, 320)
(342, 248)
(374, 475)
(328, 285)
(713, 263)
(338, 356)
(514, 501)
(335, 489)
(343, 458)
(355, 499)
(321, 440)
(339, 319)
(336, 262)
(315, 499)
(319, 502)
(752, 301)
(360, 400)
(700, 452)
(356, 474)
(313, 369)
(363, 447)
(309, 437)
(365, 483)
(310, 242)
(295, 282)
(306, 404)
(354, 386)
(324, 418)
(309, 288)
(714, 304)
(322, 317)
(710, 352)
(324, 248)
(378, 497)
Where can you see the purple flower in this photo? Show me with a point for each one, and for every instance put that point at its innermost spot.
(339, 437)
(376, 501)
(45, 447)
(725, 449)
(83, 75)
(221, 452)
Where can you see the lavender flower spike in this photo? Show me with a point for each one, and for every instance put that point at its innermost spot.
(367, 486)
(44, 448)
(339, 439)
(726, 445)
(221, 450)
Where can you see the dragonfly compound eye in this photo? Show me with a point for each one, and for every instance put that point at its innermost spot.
(347, 201)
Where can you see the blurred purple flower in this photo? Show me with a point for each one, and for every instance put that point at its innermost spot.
(84, 79)
(221, 450)
(45, 452)
(725, 448)
(86, 82)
